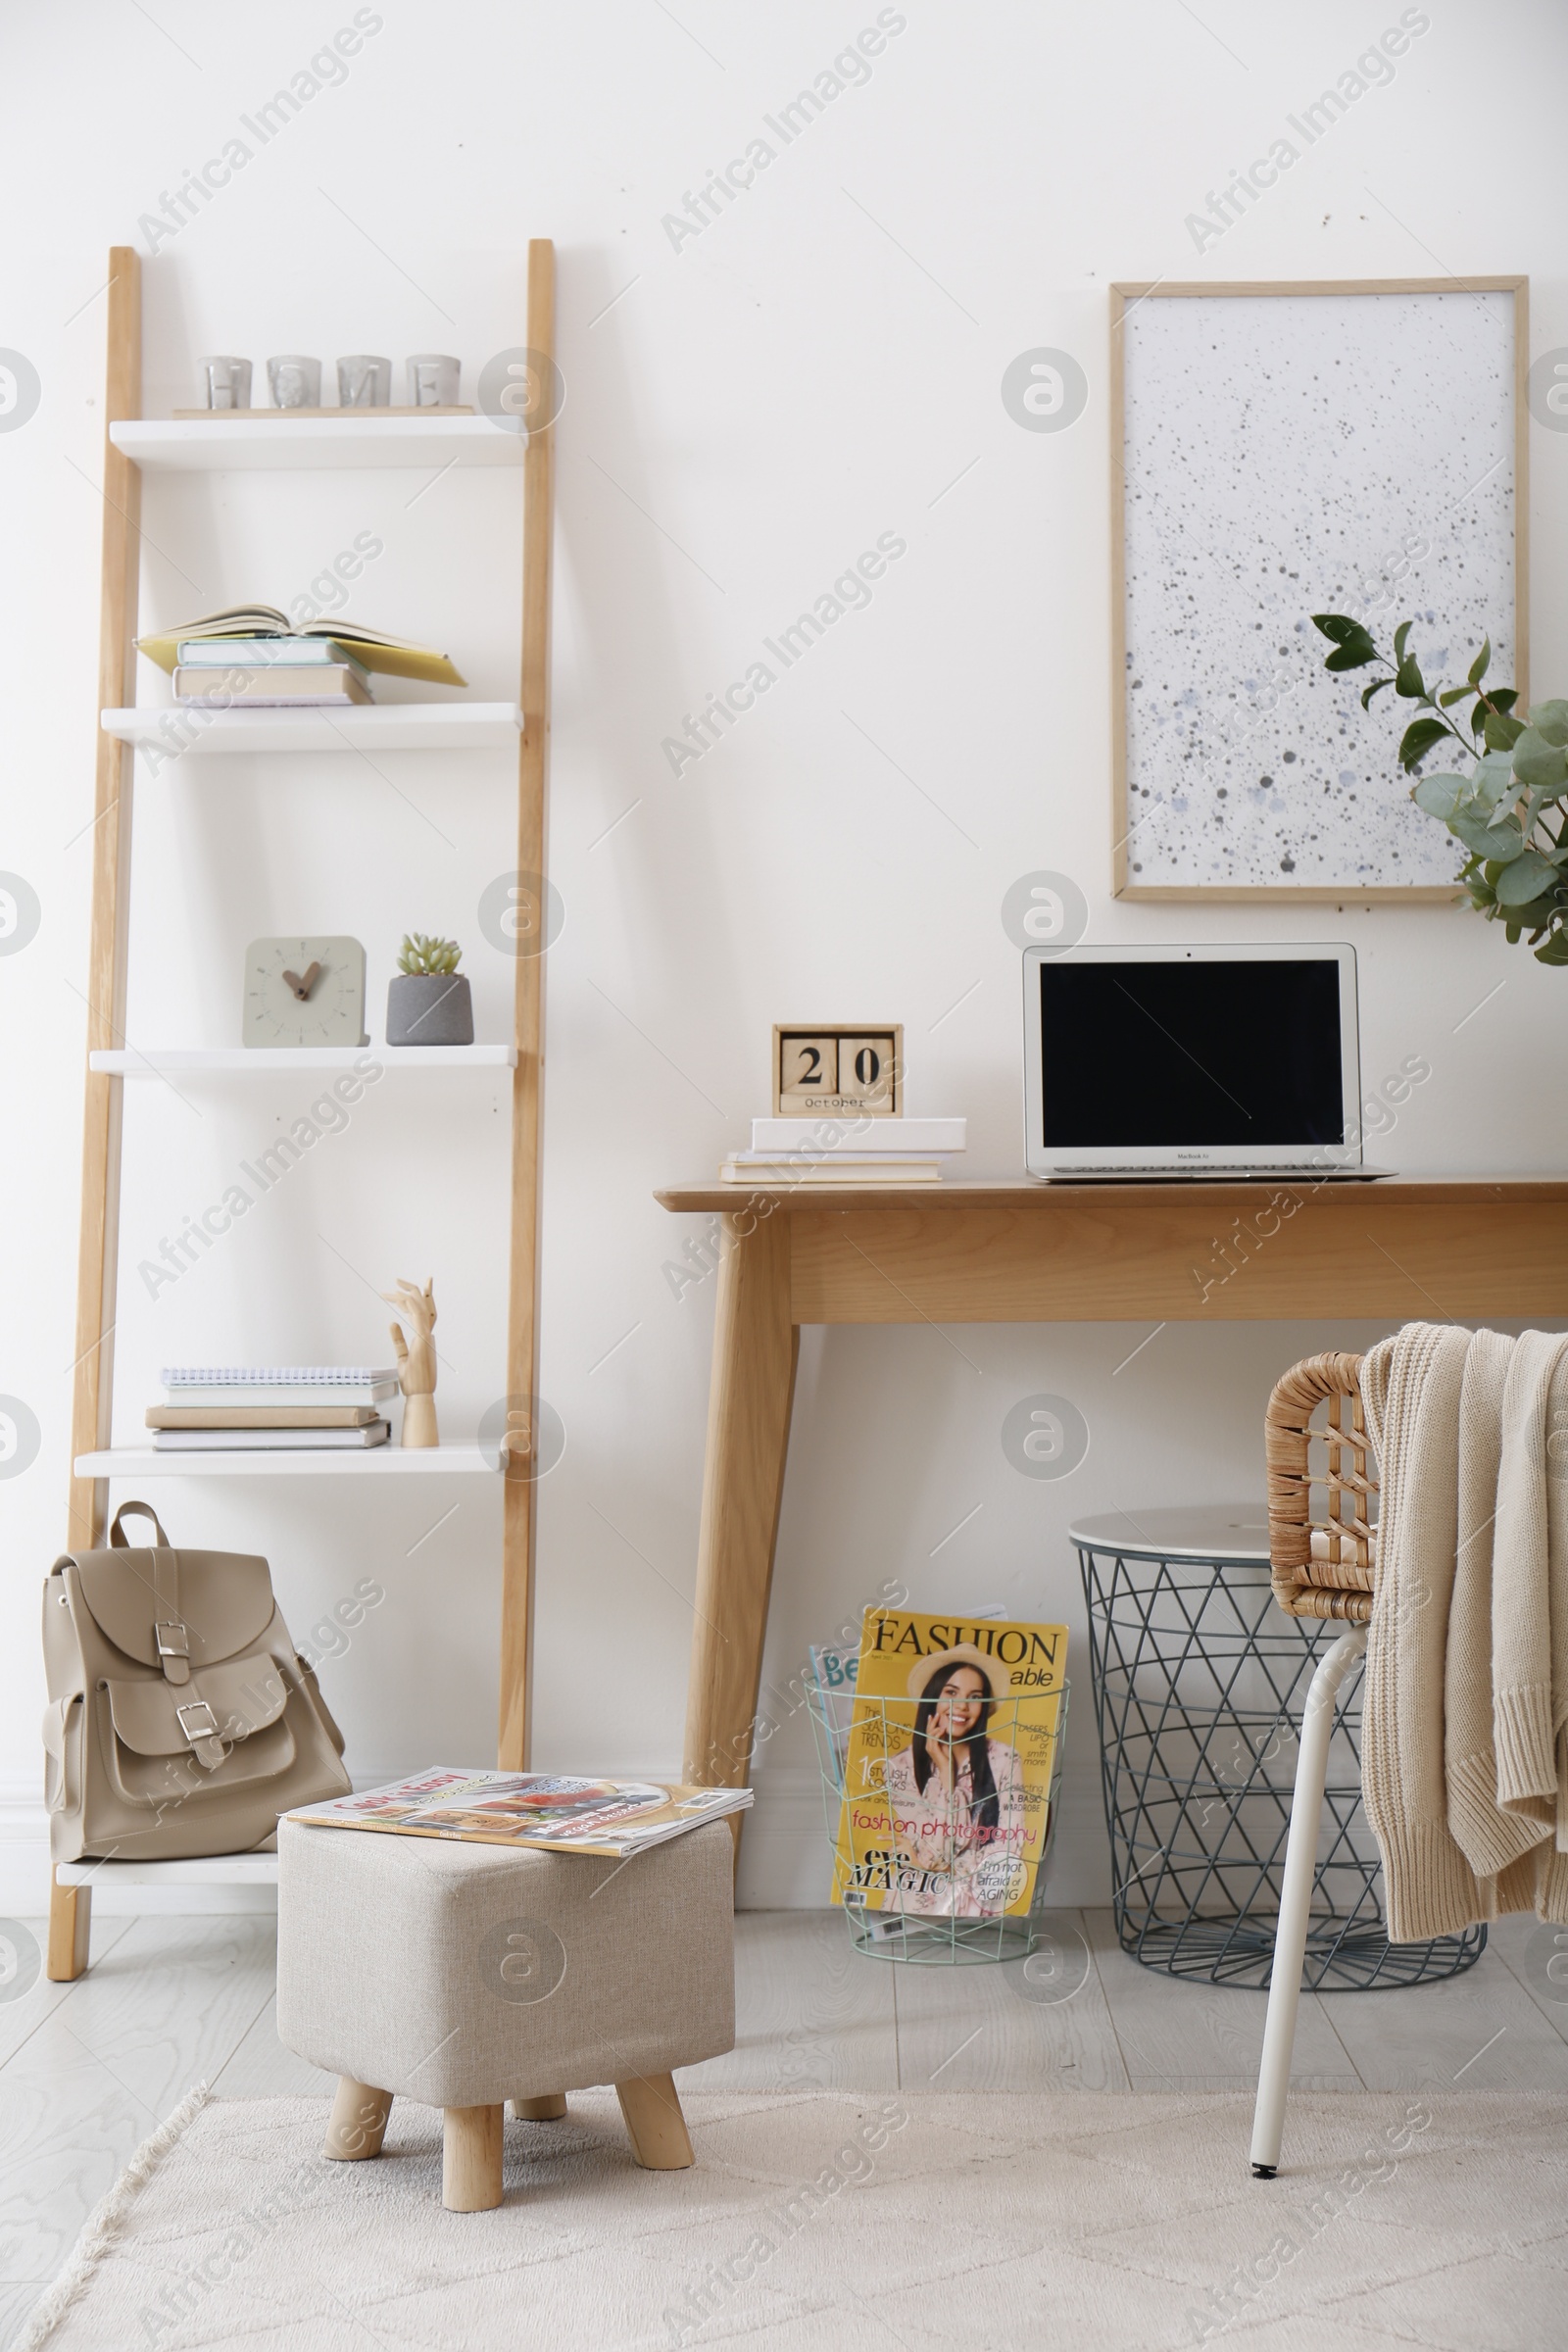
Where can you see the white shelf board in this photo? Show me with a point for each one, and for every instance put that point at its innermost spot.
(196, 1061)
(376, 1461)
(197, 1870)
(366, 727)
(256, 442)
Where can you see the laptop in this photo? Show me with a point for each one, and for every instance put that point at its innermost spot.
(1155, 1063)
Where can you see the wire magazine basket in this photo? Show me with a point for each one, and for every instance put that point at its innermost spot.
(899, 1931)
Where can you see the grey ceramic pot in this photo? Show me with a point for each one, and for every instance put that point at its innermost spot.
(429, 1008)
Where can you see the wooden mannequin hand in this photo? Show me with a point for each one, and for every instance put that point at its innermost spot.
(417, 1365)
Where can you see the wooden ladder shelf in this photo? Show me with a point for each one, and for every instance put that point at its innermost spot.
(98, 1257)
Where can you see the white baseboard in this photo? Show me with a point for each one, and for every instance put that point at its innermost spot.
(785, 1863)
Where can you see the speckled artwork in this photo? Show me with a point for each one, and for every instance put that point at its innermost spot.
(1285, 455)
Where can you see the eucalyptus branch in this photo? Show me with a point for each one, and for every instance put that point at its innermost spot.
(1516, 869)
(1489, 720)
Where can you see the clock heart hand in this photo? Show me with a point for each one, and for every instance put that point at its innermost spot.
(302, 987)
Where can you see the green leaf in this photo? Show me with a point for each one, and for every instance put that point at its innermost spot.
(1402, 638)
(1503, 698)
(1440, 795)
(1454, 694)
(1479, 667)
(1541, 764)
(1477, 719)
(1533, 918)
(1375, 688)
(1418, 739)
(1555, 949)
(1355, 649)
(1498, 845)
(1407, 680)
(1551, 721)
(1524, 878)
(1501, 732)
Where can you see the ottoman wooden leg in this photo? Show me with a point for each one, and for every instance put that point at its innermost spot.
(470, 2167)
(358, 2122)
(548, 2109)
(655, 2124)
(69, 1931)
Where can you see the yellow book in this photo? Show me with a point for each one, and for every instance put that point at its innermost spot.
(372, 649)
(946, 1784)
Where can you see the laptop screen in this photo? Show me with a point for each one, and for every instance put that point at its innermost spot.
(1146, 1055)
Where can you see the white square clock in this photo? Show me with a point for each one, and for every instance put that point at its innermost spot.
(304, 992)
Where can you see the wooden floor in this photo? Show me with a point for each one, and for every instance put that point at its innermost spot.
(87, 2070)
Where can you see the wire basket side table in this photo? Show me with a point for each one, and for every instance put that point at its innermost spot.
(1199, 1680)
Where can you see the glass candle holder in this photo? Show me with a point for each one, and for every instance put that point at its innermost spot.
(227, 383)
(433, 381)
(296, 381)
(364, 382)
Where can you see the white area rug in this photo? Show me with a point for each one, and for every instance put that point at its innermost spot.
(823, 2221)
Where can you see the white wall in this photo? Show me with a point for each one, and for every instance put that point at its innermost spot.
(744, 414)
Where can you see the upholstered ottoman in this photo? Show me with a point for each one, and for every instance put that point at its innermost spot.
(464, 1976)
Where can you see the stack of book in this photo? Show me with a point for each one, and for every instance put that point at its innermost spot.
(873, 1150)
(294, 1408)
(252, 656)
(269, 673)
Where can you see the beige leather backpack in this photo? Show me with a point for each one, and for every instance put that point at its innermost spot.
(181, 1719)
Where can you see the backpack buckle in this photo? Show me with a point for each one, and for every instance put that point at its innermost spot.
(174, 1649)
(200, 1727)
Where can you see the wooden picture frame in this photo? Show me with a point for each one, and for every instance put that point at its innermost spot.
(838, 1068)
(1193, 848)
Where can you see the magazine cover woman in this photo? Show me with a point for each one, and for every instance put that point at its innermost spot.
(956, 1794)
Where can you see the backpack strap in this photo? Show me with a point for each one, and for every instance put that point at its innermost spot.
(168, 1628)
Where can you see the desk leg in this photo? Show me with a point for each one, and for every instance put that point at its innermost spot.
(755, 1348)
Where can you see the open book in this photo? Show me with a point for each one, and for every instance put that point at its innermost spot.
(565, 1816)
(372, 649)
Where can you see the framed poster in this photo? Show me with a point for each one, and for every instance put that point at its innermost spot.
(1284, 450)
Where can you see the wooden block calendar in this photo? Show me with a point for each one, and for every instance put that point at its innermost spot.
(818, 1067)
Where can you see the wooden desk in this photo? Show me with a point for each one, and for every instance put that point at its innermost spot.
(1446, 1250)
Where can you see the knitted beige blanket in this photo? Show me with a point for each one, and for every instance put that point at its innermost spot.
(1465, 1752)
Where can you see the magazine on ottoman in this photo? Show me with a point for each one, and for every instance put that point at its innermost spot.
(551, 1810)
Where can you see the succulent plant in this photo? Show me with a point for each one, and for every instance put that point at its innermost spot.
(418, 954)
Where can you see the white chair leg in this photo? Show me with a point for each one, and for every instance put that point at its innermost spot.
(1296, 1901)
